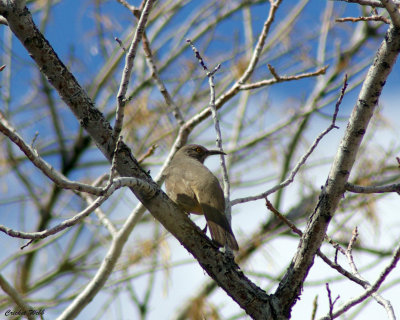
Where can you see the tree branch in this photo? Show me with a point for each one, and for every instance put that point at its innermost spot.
(393, 10)
(15, 296)
(130, 58)
(59, 179)
(303, 159)
(370, 291)
(219, 266)
(116, 184)
(290, 286)
(373, 189)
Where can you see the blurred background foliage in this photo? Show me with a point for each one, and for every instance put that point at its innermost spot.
(265, 131)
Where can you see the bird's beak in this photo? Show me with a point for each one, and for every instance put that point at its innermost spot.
(212, 152)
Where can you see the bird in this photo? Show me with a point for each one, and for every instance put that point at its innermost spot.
(195, 189)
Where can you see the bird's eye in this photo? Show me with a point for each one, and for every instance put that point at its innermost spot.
(198, 150)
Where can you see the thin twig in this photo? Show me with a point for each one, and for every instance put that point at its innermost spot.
(59, 179)
(160, 84)
(349, 252)
(331, 303)
(373, 189)
(303, 159)
(117, 184)
(283, 218)
(333, 265)
(210, 75)
(198, 56)
(157, 79)
(113, 170)
(260, 42)
(372, 3)
(323, 37)
(130, 57)
(357, 19)
(16, 298)
(273, 72)
(278, 78)
(148, 153)
(384, 302)
(372, 289)
(120, 44)
(133, 9)
(315, 307)
(104, 220)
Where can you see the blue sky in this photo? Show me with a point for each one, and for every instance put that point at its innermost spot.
(71, 31)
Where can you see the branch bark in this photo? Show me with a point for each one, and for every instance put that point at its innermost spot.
(291, 285)
(219, 266)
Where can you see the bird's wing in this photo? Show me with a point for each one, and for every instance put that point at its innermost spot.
(178, 187)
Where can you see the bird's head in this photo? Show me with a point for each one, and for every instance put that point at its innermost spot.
(197, 152)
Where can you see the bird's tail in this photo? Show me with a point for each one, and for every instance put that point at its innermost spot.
(220, 229)
(222, 234)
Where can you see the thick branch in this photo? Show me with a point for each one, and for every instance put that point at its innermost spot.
(290, 286)
(222, 269)
(393, 10)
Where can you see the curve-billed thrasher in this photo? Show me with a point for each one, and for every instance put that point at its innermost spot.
(196, 190)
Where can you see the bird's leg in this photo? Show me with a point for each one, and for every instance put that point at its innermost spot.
(205, 229)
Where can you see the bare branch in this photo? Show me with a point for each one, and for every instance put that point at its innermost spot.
(372, 3)
(370, 18)
(278, 78)
(315, 307)
(333, 265)
(372, 289)
(59, 179)
(117, 184)
(113, 168)
(157, 79)
(283, 218)
(373, 189)
(331, 303)
(273, 72)
(210, 75)
(349, 252)
(100, 214)
(331, 195)
(130, 57)
(104, 220)
(148, 153)
(132, 8)
(160, 84)
(393, 10)
(120, 44)
(366, 285)
(303, 159)
(16, 298)
(260, 42)
(355, 277)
